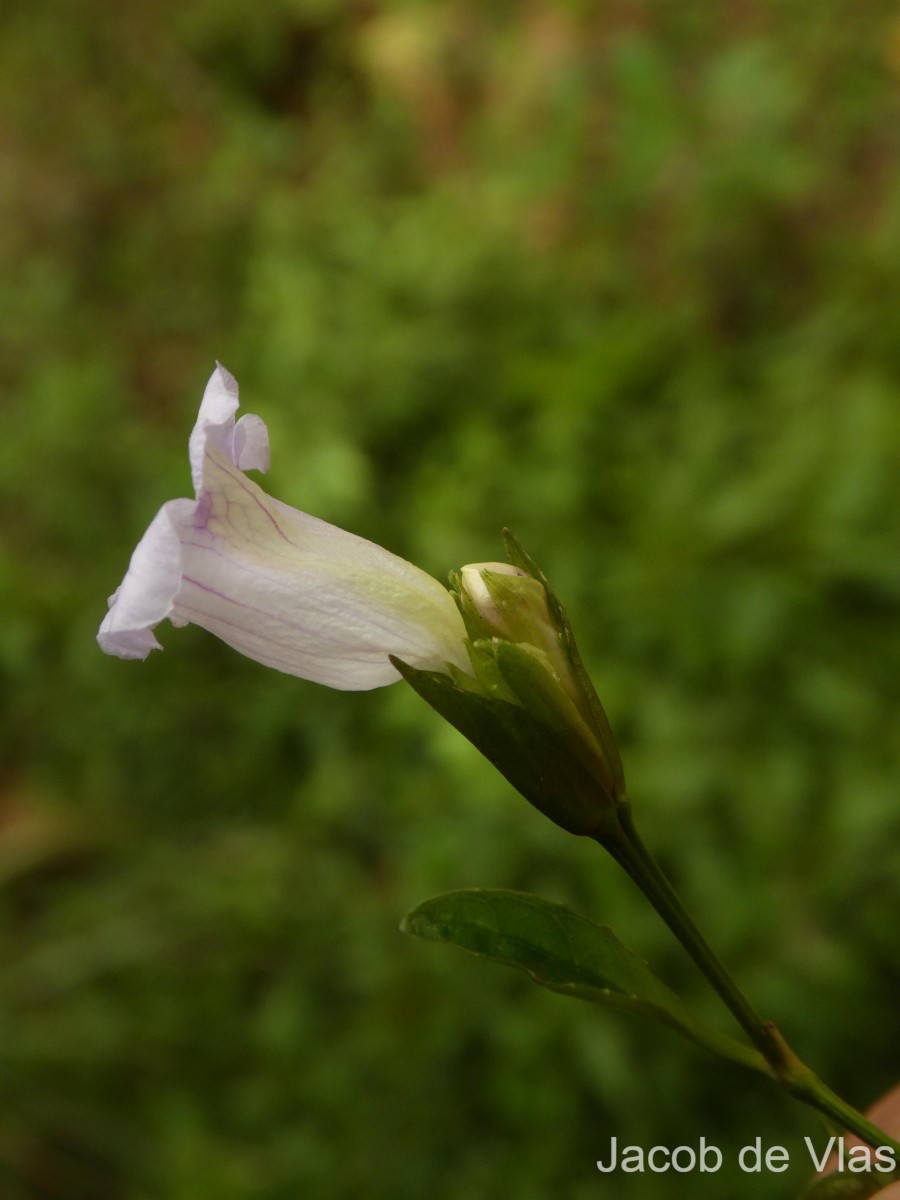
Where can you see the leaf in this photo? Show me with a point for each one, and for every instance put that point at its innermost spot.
(567, 953)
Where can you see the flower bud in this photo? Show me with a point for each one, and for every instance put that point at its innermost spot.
(506, 603)
(503, 618)
(530, 708)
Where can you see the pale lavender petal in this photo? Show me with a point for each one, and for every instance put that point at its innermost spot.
(215, 420)
(303, 596)
(147, 593)
(251, 444)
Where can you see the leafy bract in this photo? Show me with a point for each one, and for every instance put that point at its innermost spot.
(567, 953)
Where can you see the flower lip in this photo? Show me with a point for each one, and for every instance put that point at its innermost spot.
(245, 442)
(282, 587)
(147, 594)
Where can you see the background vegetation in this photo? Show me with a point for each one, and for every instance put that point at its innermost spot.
(623, 276)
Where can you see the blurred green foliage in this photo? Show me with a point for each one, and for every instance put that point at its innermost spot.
(624, 277)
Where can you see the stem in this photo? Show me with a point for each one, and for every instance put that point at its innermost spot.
(621, 840)
(630, 853)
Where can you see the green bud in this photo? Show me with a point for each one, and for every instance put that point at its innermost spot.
(529, 705)
(508, 604)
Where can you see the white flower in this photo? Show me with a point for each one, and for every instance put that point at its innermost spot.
(284, 588)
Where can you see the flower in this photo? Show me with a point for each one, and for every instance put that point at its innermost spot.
(282, 587)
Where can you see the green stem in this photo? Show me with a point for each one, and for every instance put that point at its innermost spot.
(621, 840)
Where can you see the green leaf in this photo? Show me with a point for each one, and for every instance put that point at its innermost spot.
(842, 1185)
(567, 953)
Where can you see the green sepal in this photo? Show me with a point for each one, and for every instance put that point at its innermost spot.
(532, 756)
(488, 676)
(565, 952)
(845, 1185)
(536, 686)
